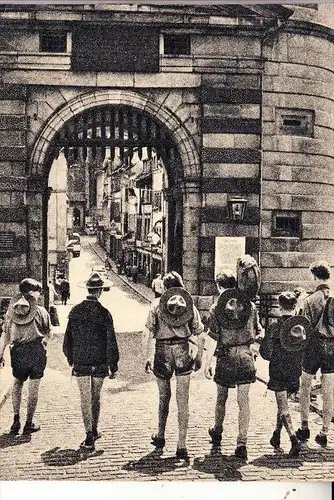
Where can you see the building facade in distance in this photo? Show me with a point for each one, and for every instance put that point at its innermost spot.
(237, 101)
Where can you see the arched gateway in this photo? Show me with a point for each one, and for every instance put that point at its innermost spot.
(127, 121)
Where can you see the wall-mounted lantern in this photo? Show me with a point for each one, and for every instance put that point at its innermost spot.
(236, 208)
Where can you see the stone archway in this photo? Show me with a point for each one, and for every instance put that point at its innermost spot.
(182, 138)
(185, 145)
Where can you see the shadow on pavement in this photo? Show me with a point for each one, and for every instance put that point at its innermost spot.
(223, 467)
(284, 461)
(7, 440)
(153, 464)
(61, 458)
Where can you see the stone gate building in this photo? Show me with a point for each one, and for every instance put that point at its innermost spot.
(244, 94)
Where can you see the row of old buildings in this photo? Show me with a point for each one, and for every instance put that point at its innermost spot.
(235, 100)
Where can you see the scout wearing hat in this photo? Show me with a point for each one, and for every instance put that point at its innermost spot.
(174, 325)
(91, 349)
(27, 329)
(233, 326)
(283, 346)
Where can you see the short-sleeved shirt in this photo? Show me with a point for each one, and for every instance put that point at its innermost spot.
(39, 327)
(232, 337)
(161, 330)
(314, 305)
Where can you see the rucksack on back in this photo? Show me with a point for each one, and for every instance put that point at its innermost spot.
(248, 276)
(325, 324)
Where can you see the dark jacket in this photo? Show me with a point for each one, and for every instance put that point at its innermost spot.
(90, 336)
(283, 364)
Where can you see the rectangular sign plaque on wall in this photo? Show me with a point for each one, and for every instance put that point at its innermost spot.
(228, 249)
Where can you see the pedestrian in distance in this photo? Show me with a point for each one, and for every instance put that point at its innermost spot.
(90, 347)
(158, 286)
(233, 327)
(173, 346)
(64, 291)
(283, 346)
(27, 329)
(319, 353)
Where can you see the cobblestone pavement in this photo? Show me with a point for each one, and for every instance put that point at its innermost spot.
(128, 418)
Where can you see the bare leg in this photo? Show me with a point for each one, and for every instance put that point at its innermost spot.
(164, 399)
(17, 396)
(222, 395)
(84, 384)
(182, 400)
(327, 388)
(305, 393)
(33, 389)
(283, 409)
(97, 383)
(244, 412)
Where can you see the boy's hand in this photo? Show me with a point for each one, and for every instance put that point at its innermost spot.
(112, 372)
(149, 365)
(208, 371)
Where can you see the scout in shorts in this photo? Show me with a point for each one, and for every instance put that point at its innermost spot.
(90, 347)
(233, 327)
(283, 346)
(27, 328)
(319, 353)
(174, 325)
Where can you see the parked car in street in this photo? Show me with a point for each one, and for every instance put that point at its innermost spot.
(74, 247)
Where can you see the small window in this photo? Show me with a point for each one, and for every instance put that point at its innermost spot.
(177, 45)
(287, 224)
(7, 241)
(52, 42)
(295, 122)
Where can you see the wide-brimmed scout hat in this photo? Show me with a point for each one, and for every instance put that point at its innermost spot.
(295, 332)
(176, 306)
(233, 309)
(96, 281)
(22, 309)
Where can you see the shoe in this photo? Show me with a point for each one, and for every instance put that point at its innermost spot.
(241, 452)
(15, 428)
(303, 435)
(89, 442)
(321, 439)
(182, 454)
(295, 447)
(275, 439)
(216, 436)
(30, 428)
(158, 442)
(96, 434)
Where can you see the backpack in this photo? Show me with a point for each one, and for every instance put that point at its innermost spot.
(267, 345)
(248, 276)
(325, 325)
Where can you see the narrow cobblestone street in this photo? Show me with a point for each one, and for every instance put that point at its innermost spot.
(129, 413)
